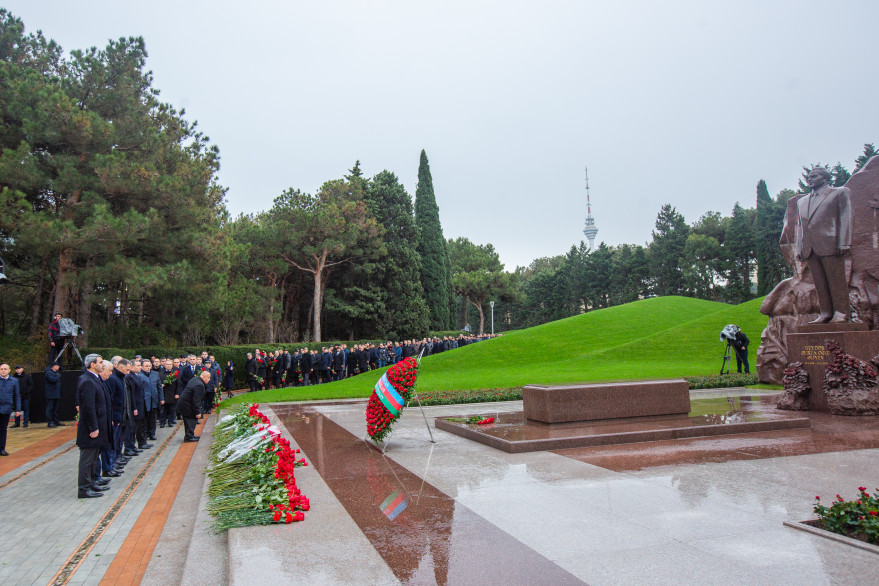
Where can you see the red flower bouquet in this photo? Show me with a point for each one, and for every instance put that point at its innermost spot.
(389, 396)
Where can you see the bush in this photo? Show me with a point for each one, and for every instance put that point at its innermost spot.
(718, 381)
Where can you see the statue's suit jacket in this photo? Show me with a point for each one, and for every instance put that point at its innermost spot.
(824, 222)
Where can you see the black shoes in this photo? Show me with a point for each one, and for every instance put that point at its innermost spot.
(51, 425)
(144, 446)
(4, 453)
(89, 494)
(99, 488)
(16, 425)
(130, 453)
(152, 438)
(194, 438)
(110, 474)
(102, 481)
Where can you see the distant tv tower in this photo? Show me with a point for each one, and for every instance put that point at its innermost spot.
(590, 230)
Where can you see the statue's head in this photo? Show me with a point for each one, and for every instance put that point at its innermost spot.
(817, 177)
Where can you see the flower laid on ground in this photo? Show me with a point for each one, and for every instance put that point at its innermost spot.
(252, 473)
(858, 519)
(476, 419)
(390, 395)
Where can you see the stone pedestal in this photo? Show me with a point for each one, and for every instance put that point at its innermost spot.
(592, 402)
(807, 346)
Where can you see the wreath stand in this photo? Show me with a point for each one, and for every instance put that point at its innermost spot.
(382, 446)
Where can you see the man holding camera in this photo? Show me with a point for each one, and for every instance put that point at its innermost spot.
(56, 342)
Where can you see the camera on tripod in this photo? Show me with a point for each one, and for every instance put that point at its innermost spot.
(67, 328)
(728, 335)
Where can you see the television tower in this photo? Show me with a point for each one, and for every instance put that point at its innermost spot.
(590, 230)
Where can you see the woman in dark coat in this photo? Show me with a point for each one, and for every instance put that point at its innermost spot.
(229, 377)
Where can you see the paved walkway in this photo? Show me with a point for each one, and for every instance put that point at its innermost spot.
(706, 511)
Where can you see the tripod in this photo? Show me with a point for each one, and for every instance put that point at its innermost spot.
(727, 357)
(69, 340)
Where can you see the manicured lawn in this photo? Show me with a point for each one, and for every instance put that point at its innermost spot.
(663, 337)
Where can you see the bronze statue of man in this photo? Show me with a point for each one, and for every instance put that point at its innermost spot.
(824, 236)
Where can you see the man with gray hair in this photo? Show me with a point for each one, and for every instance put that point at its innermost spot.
(91, 433)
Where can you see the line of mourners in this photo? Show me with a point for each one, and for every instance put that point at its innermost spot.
(279, 369)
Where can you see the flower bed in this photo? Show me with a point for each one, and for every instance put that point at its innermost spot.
(858, 519)
(252, 473)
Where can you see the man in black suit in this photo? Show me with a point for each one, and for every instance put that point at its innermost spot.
(91, 433)
(135, 410)
(188, 371)
(305, 366)
(189, 405)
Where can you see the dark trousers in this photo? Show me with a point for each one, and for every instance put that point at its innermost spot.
(87, 459)
(117, 438)
(189, 427)
(25, 412)
(207, 403)
(52, 411)
(252, 384)
(150, 422)
(4, 427)
(128, 434)
(742, 357)
(169, 414)
(140, 431)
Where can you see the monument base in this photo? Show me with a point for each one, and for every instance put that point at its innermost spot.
(514, 433)
(808, 347)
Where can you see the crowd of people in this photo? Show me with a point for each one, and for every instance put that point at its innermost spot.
(302, 367)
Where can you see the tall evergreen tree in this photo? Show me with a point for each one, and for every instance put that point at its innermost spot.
(771, 267)
(431, 245)
(739, 247)
(406, 313)
(666, 251)
(869, 152)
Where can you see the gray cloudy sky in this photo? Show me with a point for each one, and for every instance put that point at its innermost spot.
(681, 102)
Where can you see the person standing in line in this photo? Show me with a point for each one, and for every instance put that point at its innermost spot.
(190, 403)
(229, 377)
(134, 404)
(53, 393)
(25, 385)
(10, 402)
(250, 371)
(108, 452)
(92, 420)
(156, 398)
(210, 390)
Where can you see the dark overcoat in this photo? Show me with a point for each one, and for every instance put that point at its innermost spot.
(189, 404)
(92, 412)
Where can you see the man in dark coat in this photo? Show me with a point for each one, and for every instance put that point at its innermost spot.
(305, 367)
(741, 345)
(169, 392)
(56, 342)
(135, 410)
(10, 402)
(363, 360)
(188, 371)
(338, 363)
(189, 405)
(52, 388)
(92, 422)
(250, 372)
(25, 385)
(210, 389)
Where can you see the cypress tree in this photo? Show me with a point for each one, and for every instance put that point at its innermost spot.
(431, 246)
(405, 312)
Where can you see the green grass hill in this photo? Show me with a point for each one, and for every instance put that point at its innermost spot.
(662, 337)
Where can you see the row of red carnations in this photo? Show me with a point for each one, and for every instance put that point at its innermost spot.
(284, 471)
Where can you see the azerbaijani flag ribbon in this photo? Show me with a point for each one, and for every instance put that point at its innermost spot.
(394, 504)
(388, 395)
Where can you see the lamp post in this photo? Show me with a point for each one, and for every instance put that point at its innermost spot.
(492, 316)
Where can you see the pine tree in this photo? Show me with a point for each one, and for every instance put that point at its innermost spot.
(666, 251)
(432, 249)
(869, 152)
(405, 313)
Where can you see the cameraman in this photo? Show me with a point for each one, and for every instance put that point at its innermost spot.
(55, 339)
(741, 344)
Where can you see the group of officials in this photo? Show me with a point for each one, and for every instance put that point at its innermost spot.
(311, 367)
(119, 402)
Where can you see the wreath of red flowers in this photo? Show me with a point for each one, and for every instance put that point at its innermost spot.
(379, 420)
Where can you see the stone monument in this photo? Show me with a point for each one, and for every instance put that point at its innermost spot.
(832, 264)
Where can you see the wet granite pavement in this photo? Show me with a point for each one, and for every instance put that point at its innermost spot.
(705, 510)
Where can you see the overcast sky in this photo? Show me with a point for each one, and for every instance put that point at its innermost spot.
(687, 103)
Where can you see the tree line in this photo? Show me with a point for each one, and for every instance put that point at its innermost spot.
(111, 213)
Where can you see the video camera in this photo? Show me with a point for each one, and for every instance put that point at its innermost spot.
(67, 328)
(728, 334)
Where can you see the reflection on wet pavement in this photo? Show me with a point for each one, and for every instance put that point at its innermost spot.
(422, 534)
(709, 416)
(828, 433)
